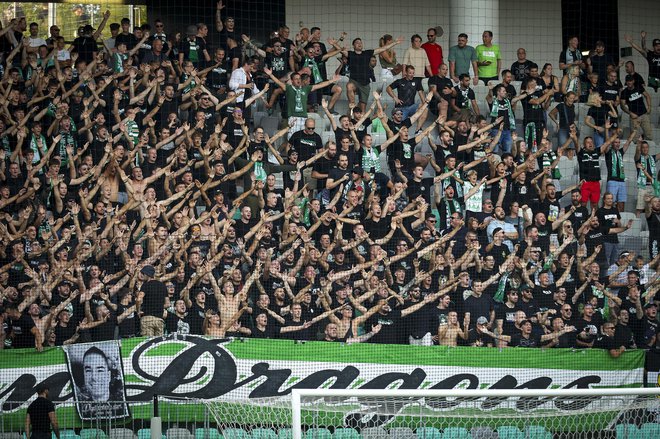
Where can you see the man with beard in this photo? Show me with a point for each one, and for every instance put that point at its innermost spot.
(498, 222)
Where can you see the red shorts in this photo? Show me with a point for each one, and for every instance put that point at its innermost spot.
(591, 192)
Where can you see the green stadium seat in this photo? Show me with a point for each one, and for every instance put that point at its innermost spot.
(456, 433)
(346, 433)
(145, 433)
(284, 433)
(178, 433)
(92, 433)
(235, 433)
(263, 433)
(538, 432)
(507, 432)
(318, 433)
(206, 433)
(628, 431)
(428, 433)
(67, 434)
(374, 433)
(650, 430)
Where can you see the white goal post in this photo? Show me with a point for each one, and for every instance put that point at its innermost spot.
(551, 410)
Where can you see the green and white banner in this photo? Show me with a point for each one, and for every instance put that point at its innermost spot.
(202, 368)
(246, 372)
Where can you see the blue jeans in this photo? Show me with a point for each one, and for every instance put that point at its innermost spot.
(562, 136)
(599, 139)
(409, 110)
(619, 190)
(611, 253)
(506, 142)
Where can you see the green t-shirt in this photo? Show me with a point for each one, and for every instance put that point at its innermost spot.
(463, 58)
(491, 54)
(296, 100)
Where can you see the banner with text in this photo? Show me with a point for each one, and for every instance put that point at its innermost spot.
(246, 372)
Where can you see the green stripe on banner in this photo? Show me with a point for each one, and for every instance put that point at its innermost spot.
(508, 358)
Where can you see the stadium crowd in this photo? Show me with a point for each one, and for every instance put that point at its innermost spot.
(138, 198)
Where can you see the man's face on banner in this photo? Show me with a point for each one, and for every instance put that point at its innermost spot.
(97, 377)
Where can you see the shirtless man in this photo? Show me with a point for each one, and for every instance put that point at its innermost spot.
(449, 332)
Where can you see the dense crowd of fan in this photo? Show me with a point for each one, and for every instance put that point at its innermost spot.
(139, 198)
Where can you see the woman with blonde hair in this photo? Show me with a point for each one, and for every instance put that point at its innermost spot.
(597, 117)
(571, 81)
(389, 66)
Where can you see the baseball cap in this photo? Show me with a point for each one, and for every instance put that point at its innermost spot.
(358, 170)
(148, 270)
(496, 230)
(482, 320)
(656, 41)
(649, 305)
(88, 28)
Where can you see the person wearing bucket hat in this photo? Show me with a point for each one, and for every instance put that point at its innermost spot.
(193, 48)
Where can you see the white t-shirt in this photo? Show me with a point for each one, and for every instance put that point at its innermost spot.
(63, 55)
(36, 42)
(473, 204)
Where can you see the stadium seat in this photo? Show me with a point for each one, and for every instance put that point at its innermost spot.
(270, 124)
(428, 433)
(263, 433)
(92, 433)
(145, 433)
(284, 433)
(483, 433)
(67, 434)
(650, 430)
(510, 433)
(345, 433)
(206, 433)
(235, 433)
(628, 431)
(402, 433)
(12, 435)
(456, 433)
(374, 433)
(538, 432)
(121, 433)
(178, 433)
(318, 433)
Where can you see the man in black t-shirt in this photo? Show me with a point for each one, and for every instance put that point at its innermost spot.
(155, 293)
(652, 58)
(637, 102)
(41, 415)
(407, 88)
(126, 36)
(441, 86)
(520, 68)
(85, 45)
(359, 61)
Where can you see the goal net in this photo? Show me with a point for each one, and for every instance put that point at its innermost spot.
(477, 414)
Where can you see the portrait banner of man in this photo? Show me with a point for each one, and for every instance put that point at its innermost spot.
(98, 380)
